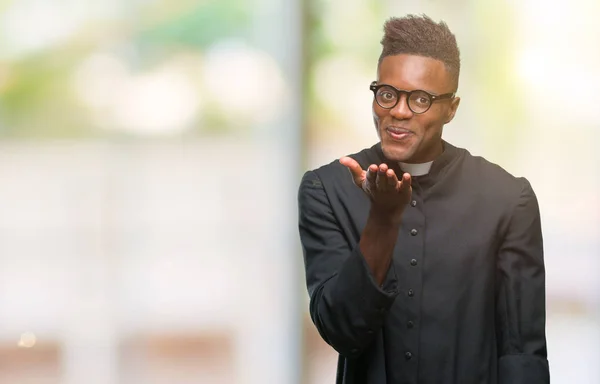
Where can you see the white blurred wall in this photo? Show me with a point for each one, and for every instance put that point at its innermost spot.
(101, 242)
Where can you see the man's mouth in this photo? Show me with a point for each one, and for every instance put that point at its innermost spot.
(398, 133)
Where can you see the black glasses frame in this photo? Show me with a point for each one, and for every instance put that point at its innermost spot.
(375, 87)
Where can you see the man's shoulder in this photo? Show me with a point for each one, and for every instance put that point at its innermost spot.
(498, 190)
(333, 169)
(493, 177)
(333, 178)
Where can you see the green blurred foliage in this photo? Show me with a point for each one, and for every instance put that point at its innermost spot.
(195, 25)
(499, 102)
(36, 95)
(36, 100)
(360, 41)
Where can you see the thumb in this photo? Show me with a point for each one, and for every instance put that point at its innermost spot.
(358, 174)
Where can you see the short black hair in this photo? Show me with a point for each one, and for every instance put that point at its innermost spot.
(421, 36)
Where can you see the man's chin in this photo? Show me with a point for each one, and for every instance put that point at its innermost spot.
(398, 153)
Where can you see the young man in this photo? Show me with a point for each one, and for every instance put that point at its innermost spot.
(424, 264)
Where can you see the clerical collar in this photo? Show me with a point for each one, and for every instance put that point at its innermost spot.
(438, 168)
(416, 169)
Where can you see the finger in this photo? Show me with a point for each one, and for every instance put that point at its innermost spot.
(392, 179)
(381, 177)
(372, 173)
(357, 172)
(406, 181)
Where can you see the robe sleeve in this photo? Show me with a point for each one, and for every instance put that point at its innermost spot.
(347, 305)
(521, 308)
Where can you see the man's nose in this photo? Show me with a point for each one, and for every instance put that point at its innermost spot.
(401, 110)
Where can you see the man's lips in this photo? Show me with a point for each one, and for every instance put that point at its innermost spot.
(398, 133)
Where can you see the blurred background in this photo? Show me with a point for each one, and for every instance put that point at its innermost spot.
(151, 150)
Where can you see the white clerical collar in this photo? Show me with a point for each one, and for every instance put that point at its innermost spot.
(416, 169)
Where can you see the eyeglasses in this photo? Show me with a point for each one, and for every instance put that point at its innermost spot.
(418, 100)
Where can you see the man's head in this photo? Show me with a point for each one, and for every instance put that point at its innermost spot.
(418, 54)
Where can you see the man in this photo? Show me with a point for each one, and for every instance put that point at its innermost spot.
(424, 264)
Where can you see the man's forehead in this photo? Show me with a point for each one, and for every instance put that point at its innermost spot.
(413, 69)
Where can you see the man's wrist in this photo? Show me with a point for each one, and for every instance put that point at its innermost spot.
(384, 217)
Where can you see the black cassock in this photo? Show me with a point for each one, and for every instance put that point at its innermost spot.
(464, 298)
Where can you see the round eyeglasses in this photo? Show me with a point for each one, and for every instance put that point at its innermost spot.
(418, 101)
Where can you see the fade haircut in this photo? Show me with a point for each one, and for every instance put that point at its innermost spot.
(421, 36)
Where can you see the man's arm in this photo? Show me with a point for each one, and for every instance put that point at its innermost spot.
(521, 308)
(377, 243)
(350, 292)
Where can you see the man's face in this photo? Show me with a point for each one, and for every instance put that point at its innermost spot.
(406, 136)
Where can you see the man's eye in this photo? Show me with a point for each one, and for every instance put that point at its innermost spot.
(387, 96)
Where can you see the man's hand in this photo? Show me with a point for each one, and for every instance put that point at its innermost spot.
(388, 195)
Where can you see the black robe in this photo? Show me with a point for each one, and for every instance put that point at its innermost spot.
(464, 298)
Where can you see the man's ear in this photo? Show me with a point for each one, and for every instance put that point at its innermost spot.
(452, 110)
